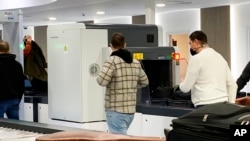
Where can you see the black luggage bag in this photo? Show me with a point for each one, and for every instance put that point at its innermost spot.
(173, 97)
(209, 123)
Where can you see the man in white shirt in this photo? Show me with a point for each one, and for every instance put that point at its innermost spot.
(208, 75)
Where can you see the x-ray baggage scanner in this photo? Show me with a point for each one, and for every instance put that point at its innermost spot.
(75, 56)
(137, 35)
(161, 65)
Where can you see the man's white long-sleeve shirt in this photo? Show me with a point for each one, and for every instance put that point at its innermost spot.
(209, 79)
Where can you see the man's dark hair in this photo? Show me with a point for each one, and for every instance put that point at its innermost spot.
(199, 35)
(4, 46)
(118, 40)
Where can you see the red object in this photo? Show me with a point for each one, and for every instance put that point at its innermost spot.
(176, 56)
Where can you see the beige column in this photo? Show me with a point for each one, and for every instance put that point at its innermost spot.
(150, 11)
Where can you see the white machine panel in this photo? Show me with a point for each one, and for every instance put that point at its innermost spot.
(154, 125)
(135, 127)
(74, 59)
(28, 112)
(42, 113)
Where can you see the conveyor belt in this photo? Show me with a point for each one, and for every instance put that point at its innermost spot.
(8, 134)
(169, 111)
(35, 127)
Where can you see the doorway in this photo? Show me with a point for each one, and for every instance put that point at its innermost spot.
(181, 41)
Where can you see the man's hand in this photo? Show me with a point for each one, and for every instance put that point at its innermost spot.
(243, 101)
(176, 88)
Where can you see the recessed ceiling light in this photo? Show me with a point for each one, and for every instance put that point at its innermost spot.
(100, 12)
(52, 18)
(160, 5)
(178, 2)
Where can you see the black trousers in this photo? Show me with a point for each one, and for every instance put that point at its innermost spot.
(39, 85)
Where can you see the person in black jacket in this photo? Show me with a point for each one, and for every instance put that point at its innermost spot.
(35, 65)
(244, 77)
(11, 82)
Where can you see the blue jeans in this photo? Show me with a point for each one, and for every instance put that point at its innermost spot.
(10, 108)
(118, 123)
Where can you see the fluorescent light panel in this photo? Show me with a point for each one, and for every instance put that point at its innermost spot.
(100, 12)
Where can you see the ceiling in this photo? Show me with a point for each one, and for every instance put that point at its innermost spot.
(85, 10)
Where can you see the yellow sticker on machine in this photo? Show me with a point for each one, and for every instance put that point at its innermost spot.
(138, 56)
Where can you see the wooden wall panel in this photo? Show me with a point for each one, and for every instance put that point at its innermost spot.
(140, 19)
(40, 33)
(215, 22)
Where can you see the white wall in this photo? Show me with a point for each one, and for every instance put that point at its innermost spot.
(178, 22)
(29, 31)
(117, 20)
(1, 29)
(187, 21)
(240, 46)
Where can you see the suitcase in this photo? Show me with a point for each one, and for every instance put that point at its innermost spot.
(209, 123)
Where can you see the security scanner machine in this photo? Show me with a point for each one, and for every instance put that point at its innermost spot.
(162, 66)
(74, 61)
(76, 53)
(137, 35)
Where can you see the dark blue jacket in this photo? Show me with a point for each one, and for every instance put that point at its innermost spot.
(11, 78)
(244, 77)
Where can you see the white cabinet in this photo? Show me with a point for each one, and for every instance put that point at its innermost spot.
(153, 125)
(75, 57)
(28, 112)
(97, 126)
(149, 125)
(136, 125)
(35, 109)
(43, 113)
